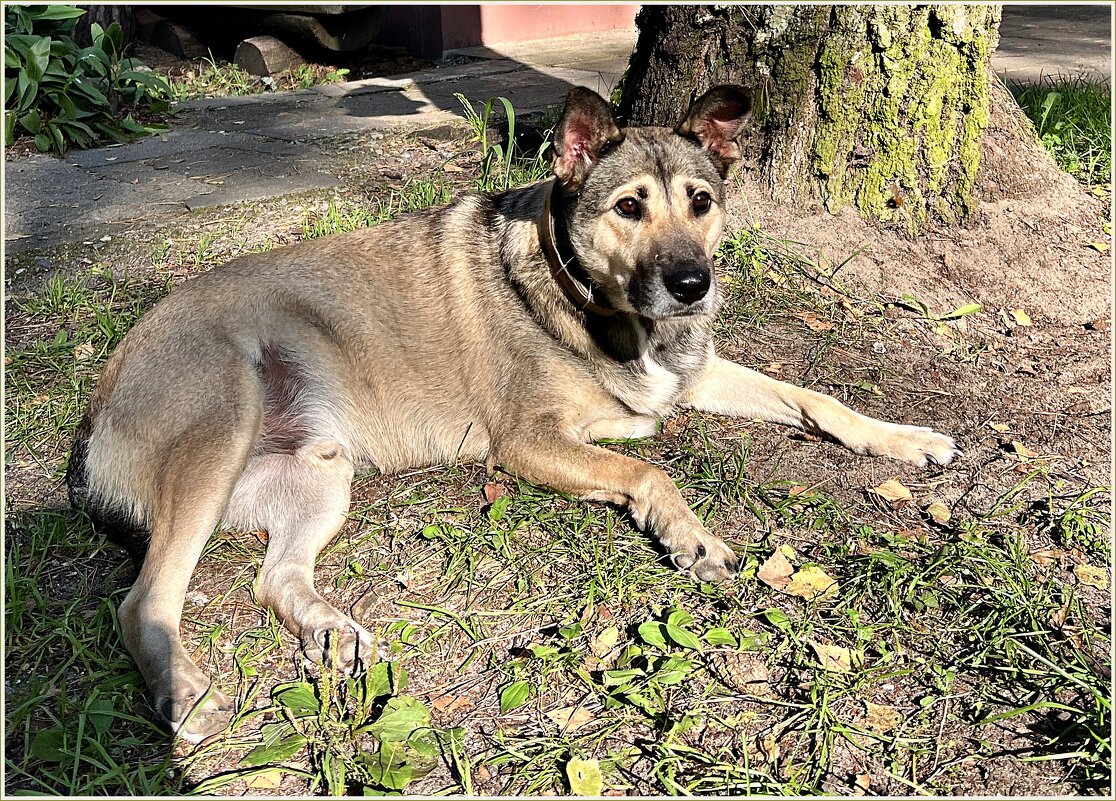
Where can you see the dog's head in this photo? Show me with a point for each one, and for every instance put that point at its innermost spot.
(646, 204)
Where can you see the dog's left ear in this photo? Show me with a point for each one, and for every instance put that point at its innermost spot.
(585, 129)
(715, 120)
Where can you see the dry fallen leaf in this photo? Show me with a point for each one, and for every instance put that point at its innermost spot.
(1093, 576)
(260, 535)
(1099, 247)
(773, 368)
(83, 351)
(999, 427)
(776, 571)
(880, 718)
(893, 491)
(449, 166)
(570, 718)
(862, 784)
(1046, 556)
(796, 489)
(494, 491)
(744, 672)
(833, 657)
(812, 582)
(1057, 618)
(766, 750)
(451, 703)
(814, 323)
(939, 513)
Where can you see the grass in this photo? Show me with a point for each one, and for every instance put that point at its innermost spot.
(209, 77)
(1074, 121)
(532, 637)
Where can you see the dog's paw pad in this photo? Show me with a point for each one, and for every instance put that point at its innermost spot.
(710, 560)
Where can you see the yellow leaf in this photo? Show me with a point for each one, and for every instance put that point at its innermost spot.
(1099, 247)
(1022, 450)
(605, 641)
(999, 427)
(789, 552)
(1021, 317)
(1093, 576)
(893, 490)
(938, 512)
(585, 777)
(812, 582)
(266, 780)
(569, 718)
(833, 657)
(880, 718)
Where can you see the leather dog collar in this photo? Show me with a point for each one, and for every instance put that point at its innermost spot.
(579, 292)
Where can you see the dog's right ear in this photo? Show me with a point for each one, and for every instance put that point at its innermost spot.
(584, 131)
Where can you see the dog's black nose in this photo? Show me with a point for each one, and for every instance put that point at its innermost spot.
(688, 285)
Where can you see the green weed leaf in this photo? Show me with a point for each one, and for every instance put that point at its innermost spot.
(778, 619)
(653, 633)
(720, 636)
(298, 697)
(280, 743)
(401, 717)
(684, 638)
(514, 696)
(48, 745)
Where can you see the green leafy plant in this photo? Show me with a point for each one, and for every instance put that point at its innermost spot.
(65, 95)
(354, 733)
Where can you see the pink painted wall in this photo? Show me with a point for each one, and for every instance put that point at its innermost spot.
(427, 30)
(515, 23)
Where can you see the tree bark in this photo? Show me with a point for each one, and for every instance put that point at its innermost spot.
(882, 107)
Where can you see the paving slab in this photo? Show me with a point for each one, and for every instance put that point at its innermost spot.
(1055, 41)
(226, 150)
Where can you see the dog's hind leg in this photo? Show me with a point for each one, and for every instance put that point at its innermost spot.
(300, 499)
(191, 494)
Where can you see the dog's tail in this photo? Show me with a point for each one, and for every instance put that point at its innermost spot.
(119, 525)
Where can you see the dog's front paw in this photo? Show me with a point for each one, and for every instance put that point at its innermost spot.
(195, 714)
(915, 444)
(706, 558)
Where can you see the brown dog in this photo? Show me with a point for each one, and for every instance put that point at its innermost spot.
(513, 329)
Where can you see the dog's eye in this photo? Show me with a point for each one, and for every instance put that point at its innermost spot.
(701, 202)
(628, 207)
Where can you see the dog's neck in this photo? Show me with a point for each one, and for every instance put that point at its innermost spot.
(564, 266)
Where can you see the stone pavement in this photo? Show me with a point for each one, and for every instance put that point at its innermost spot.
(227, 150)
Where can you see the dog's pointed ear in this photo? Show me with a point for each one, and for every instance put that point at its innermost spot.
(715, 120)
(584, 131)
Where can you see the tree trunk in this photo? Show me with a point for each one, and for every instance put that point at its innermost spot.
(105, 16)
(883, 107)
